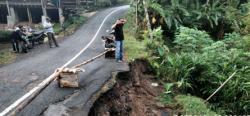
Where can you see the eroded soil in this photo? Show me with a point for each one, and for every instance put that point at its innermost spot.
(132, 95)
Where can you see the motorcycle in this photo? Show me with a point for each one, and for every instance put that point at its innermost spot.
(109, 43)
(30, 39)
(36, 37)
(25, 44)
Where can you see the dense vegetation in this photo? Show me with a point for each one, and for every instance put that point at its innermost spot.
(107, 3)
(196, 45)
(4, 36)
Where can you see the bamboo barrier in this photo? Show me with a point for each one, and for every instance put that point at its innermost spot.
(21, 103)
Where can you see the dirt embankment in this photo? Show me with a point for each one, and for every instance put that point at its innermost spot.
(133, 95)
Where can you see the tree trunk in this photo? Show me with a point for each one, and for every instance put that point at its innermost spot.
(207, 3)
(8, 7)
(44, 8)
(148, 20)
(220, 34)
(136, 15)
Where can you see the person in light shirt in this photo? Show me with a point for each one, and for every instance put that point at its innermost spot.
(50, 32)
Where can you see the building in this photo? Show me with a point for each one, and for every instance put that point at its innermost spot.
(34, 11)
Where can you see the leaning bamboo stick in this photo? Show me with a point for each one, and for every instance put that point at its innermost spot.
(220, 87)
(92, 59)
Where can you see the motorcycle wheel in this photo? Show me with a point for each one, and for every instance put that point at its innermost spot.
(30, 46)
(24, 49)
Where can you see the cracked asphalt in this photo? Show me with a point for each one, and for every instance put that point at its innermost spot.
(18, 78)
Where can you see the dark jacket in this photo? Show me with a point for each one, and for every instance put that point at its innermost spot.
(17, 36)
(119, 32)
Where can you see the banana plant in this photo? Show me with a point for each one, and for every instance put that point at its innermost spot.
(172, 13)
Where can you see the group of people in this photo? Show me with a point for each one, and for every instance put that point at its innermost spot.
(21, 32)
(19, 36)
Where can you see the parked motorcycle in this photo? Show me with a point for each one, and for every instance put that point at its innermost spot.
(36, 37)
(25, 44)
(109, 43)
(31, 39)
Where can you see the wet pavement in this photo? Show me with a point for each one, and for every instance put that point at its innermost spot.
(21, 76)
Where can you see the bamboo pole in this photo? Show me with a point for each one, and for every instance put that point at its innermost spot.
(220, 87)
(27, 98)
(92, 59)
(21, 103)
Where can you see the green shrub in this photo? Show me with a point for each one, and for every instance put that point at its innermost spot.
(245, 29)
(246, 42)
(5, 36)
(188, 39)
(57, 28)
(201, 65)
(156, 44)
(234, 40)
(193, 106)
(74, 20)
(107, 3)
(104, 3)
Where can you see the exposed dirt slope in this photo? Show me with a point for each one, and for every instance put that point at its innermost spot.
(133, 95)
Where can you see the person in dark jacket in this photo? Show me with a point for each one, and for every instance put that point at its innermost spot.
(16, 36)
(119, 37)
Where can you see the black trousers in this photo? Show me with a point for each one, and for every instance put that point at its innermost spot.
(15, 45)
(51, 38)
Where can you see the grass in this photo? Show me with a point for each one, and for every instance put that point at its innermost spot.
(134, 48)
(6, 56)
(193, 106)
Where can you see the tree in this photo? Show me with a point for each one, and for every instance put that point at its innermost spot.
(207, 15)
(172, 13)
(145, 4)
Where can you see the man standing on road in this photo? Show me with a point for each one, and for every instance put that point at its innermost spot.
(119, 37)
(50, 32)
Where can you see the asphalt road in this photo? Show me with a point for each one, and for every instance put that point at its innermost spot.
(18, 78)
